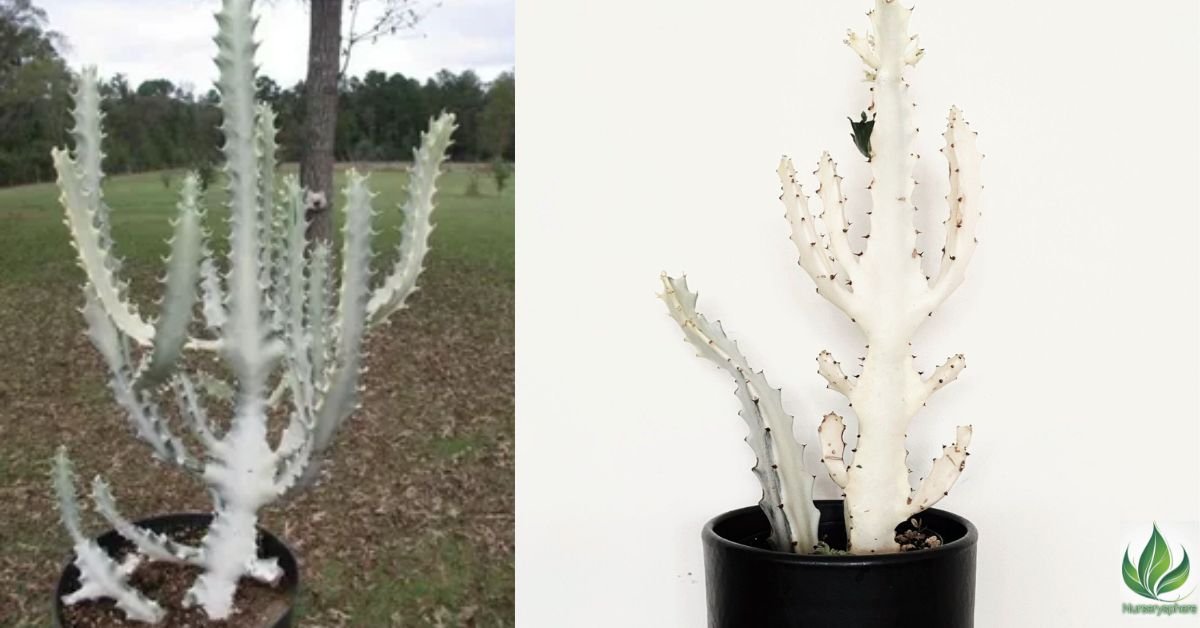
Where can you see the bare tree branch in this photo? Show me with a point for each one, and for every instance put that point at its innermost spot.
(397, 16)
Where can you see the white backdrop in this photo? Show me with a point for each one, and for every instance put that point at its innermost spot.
(650, 132)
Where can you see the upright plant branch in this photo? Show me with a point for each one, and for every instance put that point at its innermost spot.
(273, 311)
(884, 291)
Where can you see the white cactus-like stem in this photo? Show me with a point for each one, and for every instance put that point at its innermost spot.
(787, 485)
(213, 293)
(831, 370)
(245, 481)
(195, 415)
(154, 545)
(99, 575)
(890, 294)
(414, 234)
(320, 309)
(812, 242)
(88, 216)
(248, 349)
(143, 412)
(183, 270)
(273, 315)
(883, 290)
(350, 322)
(833, 448)
(945, 471)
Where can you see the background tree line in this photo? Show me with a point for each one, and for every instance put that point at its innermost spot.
(158, 124)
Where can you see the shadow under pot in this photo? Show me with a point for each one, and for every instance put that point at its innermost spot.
(258, 605)
(751, 586)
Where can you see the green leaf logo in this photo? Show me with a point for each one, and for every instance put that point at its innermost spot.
(1154, 575)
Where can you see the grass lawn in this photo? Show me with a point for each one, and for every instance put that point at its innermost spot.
(414, 525)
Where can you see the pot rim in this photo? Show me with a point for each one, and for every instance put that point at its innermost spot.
(967, 541)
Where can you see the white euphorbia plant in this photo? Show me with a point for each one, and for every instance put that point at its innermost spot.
(287, 331)
(885, 292)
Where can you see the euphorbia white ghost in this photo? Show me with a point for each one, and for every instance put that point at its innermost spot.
(885, 292)
(273, 319)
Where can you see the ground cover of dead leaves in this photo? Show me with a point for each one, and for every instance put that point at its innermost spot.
(412, 527)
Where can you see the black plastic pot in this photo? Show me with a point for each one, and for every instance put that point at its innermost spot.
(750, 586)
(269, 546)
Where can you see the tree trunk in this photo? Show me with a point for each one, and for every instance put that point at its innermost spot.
(321, 105)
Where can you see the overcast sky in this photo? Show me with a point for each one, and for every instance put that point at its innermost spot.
(172, 39)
